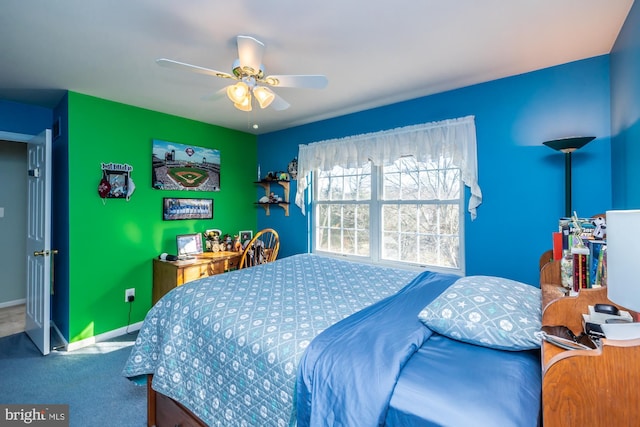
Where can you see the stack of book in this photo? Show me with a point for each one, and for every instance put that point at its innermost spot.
(596, 260)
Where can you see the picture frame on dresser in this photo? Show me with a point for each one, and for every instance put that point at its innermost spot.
(245, 235)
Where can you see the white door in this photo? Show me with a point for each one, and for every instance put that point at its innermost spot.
(39, 240)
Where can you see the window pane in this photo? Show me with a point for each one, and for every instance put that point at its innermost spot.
(344, 184)
(449, 251)
(409, 218)
(363, 247)
(335, 216)
(410, 182)
(390, 218)
(343, 228)
(390, 246)
(449, 184)
(322, 239)
(335, 240)
(428, 215)
(428, 185)
(408, 247)
(450, 219)
(323, 216)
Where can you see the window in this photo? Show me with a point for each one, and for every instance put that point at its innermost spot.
(393, 196)
(409, 212)
(343, 211)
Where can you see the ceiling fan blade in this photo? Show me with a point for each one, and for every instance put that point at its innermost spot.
(301, 81)
(216, 95)
(279, 104)
(250, 52)
(170, 63)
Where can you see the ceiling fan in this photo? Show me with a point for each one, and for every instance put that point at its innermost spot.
(248, 71)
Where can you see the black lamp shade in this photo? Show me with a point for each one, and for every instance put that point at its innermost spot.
(567, 145)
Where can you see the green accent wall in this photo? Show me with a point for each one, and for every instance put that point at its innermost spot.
(112, 242)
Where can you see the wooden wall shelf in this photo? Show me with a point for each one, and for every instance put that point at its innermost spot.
(267, 191)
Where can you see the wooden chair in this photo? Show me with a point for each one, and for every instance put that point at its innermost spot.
(263, 248)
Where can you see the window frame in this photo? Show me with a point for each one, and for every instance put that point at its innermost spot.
(375, 232)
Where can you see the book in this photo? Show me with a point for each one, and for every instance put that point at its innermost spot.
(602, 267)
(563, 228)
(580, 268)
(595, 260)
(557, 245)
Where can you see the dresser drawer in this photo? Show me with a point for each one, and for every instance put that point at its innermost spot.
(194, 272)
(170, 274)
(233, 263)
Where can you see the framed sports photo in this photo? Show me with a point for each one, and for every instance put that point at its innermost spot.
(178, 208)
(119, 182)
(177, 166)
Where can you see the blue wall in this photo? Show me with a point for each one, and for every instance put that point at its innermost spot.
(60, 218)
(625, 114)
(23, 118)
(522, 181)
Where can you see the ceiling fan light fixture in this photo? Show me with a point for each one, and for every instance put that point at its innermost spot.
(248, 72)
(238, 93)
(245, 104)
(264, 96)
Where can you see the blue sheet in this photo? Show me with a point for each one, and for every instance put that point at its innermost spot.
(382, 365)
(450, 383)
(227, 346)
(347, 374)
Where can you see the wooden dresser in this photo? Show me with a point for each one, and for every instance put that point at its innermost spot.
(170, 274)
(588, 388)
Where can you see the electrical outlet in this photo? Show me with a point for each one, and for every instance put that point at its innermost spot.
(129, 295)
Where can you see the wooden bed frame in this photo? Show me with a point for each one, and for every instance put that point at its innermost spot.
(163, 411)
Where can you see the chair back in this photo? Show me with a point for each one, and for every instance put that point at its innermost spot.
(263, 248)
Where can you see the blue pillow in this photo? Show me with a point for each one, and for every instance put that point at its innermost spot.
(487, 311)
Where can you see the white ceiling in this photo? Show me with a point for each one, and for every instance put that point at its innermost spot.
(373, 53)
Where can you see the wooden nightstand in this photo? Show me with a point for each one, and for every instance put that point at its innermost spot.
(170, 274)
(588, 388)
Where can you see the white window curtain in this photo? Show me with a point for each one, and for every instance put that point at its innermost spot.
(454, 137)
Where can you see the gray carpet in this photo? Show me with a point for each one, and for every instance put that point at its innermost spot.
(89, 380)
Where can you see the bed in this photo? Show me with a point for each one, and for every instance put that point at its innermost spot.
(309, 340)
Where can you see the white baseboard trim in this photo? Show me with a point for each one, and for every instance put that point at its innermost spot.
(12, 303)
(102, 337)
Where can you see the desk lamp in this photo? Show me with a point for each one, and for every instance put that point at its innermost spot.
(568, 146)
(623, 269)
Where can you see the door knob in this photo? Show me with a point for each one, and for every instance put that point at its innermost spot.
(43, 253)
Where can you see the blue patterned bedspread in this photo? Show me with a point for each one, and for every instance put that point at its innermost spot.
(227, 347)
